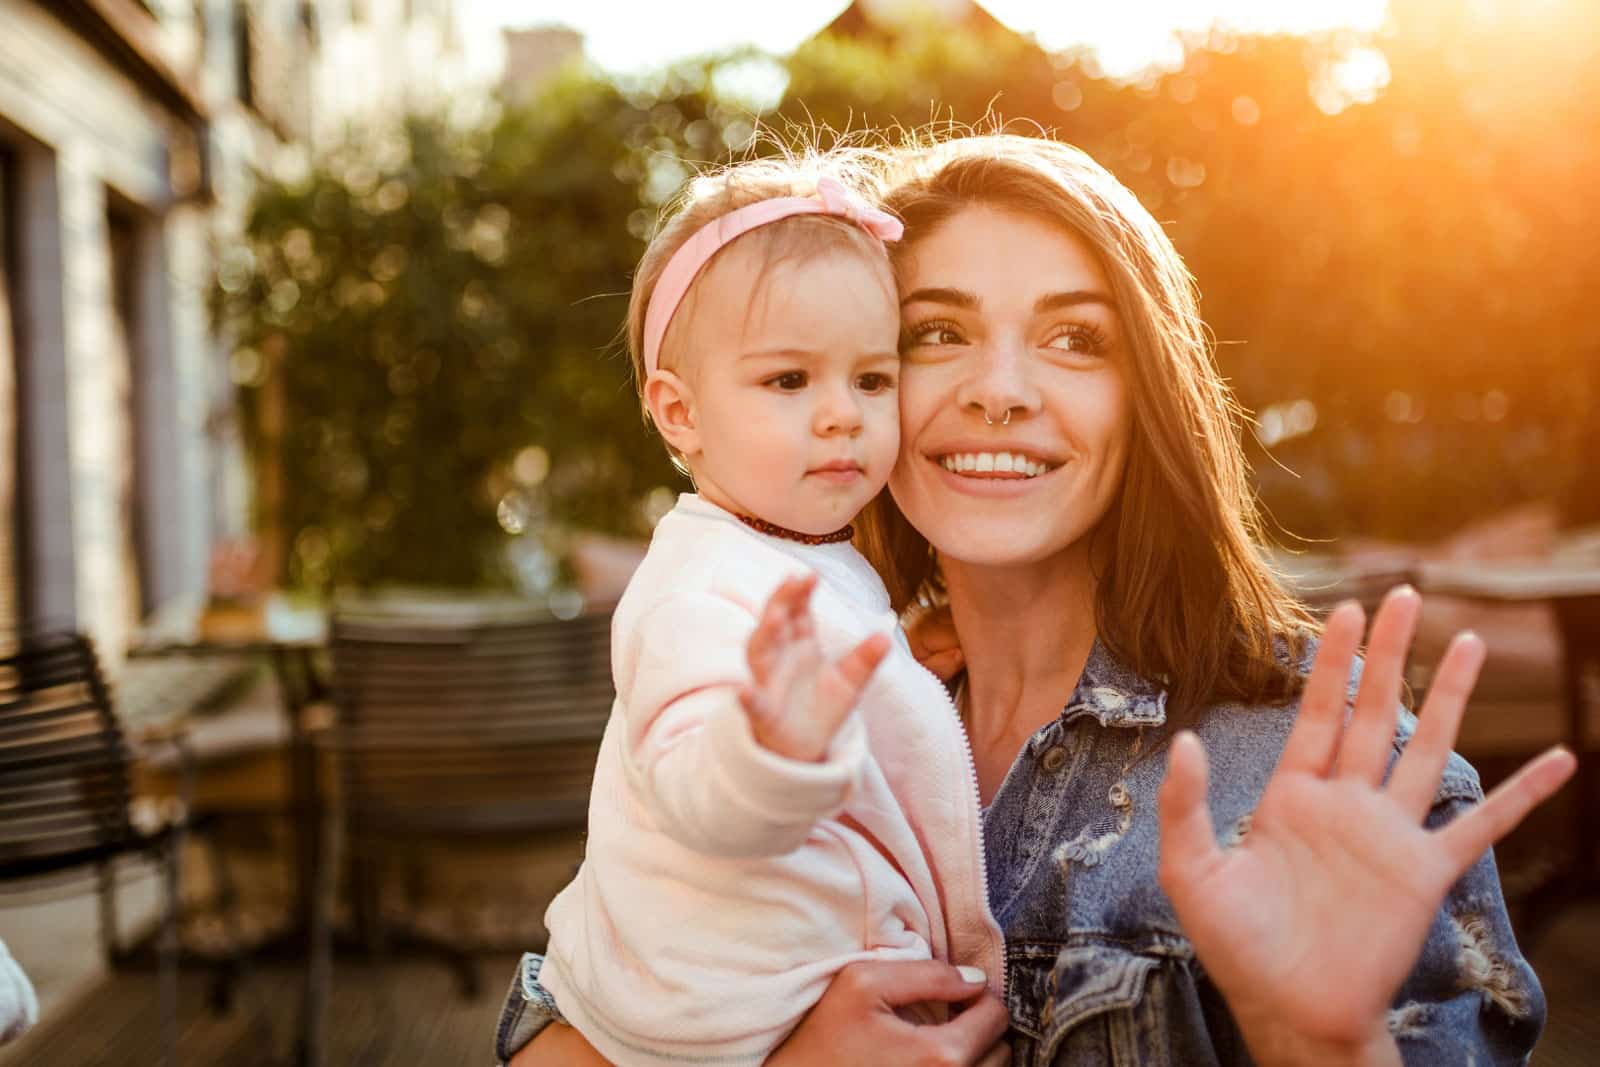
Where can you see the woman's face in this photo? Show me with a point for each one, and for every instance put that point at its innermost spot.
(1008, 316)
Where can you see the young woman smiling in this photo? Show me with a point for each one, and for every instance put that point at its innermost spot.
(1326, 895)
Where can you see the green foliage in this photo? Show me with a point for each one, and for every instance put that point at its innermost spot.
(1413, 264)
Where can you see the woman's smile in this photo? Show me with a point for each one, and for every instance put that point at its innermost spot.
(1003, 397)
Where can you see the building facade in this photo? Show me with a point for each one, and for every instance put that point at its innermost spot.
(129, 132)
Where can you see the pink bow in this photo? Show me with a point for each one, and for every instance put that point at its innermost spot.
(841, 201)
(832, 199)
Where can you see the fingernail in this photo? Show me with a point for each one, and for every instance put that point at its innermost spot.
(972, 975)
(1403, 589)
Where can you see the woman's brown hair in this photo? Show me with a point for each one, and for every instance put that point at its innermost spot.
(1184, 596)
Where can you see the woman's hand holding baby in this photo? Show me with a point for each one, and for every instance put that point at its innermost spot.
(796, 701)
(935, 643)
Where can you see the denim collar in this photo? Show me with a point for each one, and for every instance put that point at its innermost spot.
(1115, 695)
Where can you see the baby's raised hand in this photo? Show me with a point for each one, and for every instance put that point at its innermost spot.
(797, 702)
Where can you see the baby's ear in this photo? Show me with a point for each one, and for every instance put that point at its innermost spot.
(670, 402)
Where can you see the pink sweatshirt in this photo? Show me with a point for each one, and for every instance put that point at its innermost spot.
(723, 885)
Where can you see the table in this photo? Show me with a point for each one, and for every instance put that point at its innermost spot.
(289, 635)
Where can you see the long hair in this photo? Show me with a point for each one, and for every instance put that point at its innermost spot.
(1184, 596)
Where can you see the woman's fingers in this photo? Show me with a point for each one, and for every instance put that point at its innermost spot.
(999, 1056)
(1188, 843)
(901, 983)
(1473, 832)
(971, 1036)
(1369, 739)
(1314, 740)
(944, 665)
(932, 631)
(1415, 781)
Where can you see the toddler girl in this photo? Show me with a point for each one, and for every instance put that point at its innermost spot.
(772, 796)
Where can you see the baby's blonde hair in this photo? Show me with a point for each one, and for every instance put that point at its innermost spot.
(711, 195)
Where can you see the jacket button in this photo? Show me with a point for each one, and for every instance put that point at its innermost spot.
(1054, 758)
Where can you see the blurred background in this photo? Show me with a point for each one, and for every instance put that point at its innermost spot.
(312, 304)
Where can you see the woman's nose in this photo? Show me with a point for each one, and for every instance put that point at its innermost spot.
(1000, 386)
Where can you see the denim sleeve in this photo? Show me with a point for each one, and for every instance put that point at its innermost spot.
(528, 1009)
(1472, 998)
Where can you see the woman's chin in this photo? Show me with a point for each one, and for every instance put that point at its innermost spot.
(994, 540)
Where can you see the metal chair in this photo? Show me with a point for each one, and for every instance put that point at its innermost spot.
(65, 800)
(450, 730)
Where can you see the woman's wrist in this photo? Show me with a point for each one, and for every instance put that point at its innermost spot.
(1274, 1043)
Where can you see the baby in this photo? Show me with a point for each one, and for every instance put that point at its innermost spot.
(779, 791)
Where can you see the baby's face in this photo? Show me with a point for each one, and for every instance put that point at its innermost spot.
(795, 371)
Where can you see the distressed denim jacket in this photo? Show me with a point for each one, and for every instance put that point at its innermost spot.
(1098, 971)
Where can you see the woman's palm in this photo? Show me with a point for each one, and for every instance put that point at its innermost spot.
(1316, 917)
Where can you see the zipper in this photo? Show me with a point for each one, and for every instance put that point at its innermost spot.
(976, 813)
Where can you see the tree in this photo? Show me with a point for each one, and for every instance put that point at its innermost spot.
(1398, 271)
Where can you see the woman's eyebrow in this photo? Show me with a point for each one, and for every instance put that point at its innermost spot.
(954, 297)
(1057, 301)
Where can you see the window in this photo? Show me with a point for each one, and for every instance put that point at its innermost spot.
(11, 517)
(244, 54)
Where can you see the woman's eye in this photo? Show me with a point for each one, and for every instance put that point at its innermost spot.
(1087, 340)
(789, 380)
(874, 383)
(933, 333)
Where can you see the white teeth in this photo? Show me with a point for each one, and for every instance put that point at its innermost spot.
(999, 462)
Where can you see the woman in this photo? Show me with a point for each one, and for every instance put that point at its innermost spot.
(1116, 627)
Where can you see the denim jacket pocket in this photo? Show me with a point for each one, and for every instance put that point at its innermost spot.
(1097, 984)
(1028, 968)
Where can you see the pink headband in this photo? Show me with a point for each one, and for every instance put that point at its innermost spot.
(690, 259)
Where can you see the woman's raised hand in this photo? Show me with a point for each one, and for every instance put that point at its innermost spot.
(1313, 921)
(797, 702)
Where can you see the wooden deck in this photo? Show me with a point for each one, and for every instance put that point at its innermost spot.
(404, 1013)
(408, 1013)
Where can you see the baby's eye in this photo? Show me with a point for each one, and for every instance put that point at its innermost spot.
(873, 382)
(789, 381)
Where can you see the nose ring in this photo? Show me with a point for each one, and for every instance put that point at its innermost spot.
(988, 421)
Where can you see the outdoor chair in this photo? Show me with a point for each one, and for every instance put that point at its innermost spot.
(66, 804)
(451, 730)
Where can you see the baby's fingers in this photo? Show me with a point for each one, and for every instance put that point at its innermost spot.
(858, 664)
(839, 688)
(777, 626)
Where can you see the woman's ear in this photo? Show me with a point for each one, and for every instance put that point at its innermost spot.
(670, 402)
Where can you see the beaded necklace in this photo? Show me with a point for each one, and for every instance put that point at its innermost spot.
(772, 528)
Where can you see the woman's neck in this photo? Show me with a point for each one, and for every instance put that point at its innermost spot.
(1026, 633)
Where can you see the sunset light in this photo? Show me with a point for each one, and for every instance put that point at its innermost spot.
(624, 36)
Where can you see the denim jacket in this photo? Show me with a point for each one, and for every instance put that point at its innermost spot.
(1098, 971)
